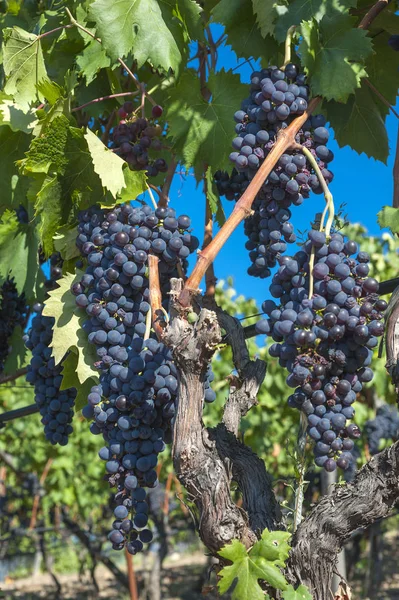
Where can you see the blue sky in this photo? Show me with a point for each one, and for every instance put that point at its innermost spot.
(363, 184)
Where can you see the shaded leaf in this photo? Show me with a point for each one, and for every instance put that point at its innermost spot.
(13, 187)
(266, 14)
(360, 124)
(19, 356)
(213, 198)
(19, 245)
(333, 54)
(243, 33)
(92, 59)
(202, 132)
(13, 115)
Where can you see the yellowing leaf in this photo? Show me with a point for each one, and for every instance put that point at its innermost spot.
(68, 332)
(107, 165)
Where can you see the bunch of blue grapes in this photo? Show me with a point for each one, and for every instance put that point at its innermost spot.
(134, 404)
(22, 215)
(135, 139)
(326, 342)
(13, 312)
(56, 406)
(385, 426)
(276, 98)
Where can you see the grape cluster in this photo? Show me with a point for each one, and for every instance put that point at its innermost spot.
(134, 139)
(134, 404)
(55, 405)
(22, 215)
(325, 341)
(276, 98)
(385, 426)
(13, 312)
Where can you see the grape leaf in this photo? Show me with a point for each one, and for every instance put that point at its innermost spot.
(385, 80)
(136, 184)
(136, 26)
(18, 357)
(202, 132)
(48, 150)
(188, 14)
(92, 59)
(12, 186)
(301, 593)
(64, 242)
(47, 200)
(213, 198)
(333, 54)
(107, 165)
(389, 217)
(247, 570)
(304, 10)
(71, 380)
(50, 90)
(359, 124)
(265, 15)
(68, 333)
(23, 65)
(19, 246)
(273, 546)
(243, 33)
(387, 20)
(13, 115)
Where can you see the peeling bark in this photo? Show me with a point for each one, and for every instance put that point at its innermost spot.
(315, 546)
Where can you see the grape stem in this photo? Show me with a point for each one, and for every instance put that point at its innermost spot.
(155, 295)
(119, 95)
(288, 43)
(301, 447)
(327, 194)
(381, 97)
(164, 196)
(373, 13)
(120, 61)
(13, 376)
(242, 209)
(151, 195)
(311, 265)
(210, 279)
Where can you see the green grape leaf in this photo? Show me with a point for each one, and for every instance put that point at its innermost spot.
(385, 80)
(213, 198)
(50, 90)
(360, 124)
(243, 33)
(68, 333)
(333, 54)
(107, 165)
(92, 59)
(70, 380)
(273, 546)
(123, 27)
(135, 184)
(19, 248)
(19, 356)
(65, 243)
(246, 570)
(389, 217)
(13, 115)
(265, 15)
(301, 593)
(13, 188)
(48, 150)
(387, 20)
(23, 65)
(202, 131)
(188, 15)
(303, 10)
(243, 571)
(48, 205)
